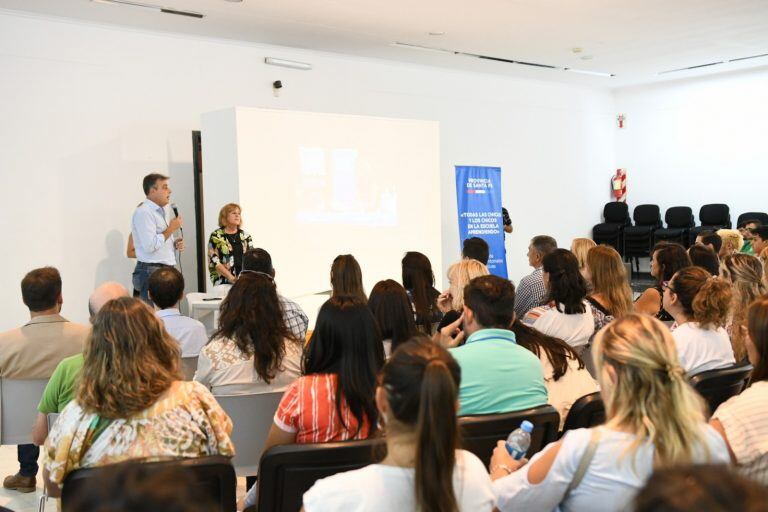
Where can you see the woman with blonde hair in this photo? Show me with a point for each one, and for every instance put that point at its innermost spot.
(580, 247)
(131, 401)
(226, 246)
(732, 242)
(451, 302)
(654, 419)
(611, 292)
(745, 273)
(700, 304)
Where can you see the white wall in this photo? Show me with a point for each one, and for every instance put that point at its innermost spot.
(87, 110)
(697, 141)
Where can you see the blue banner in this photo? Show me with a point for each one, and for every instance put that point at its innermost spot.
(478, 198)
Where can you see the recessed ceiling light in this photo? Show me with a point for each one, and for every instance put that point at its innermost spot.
(587, 57)
(577, 50)
(437, 33)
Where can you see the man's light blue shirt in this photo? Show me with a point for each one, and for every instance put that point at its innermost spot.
(190, 333)
(498, 375)
(147, 226)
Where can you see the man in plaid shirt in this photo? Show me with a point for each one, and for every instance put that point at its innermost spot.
(259, 260)
(531, 292)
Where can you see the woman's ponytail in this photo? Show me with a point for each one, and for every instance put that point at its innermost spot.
(421, 380)
(437, 440)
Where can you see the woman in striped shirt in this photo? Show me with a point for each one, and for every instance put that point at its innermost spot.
(334, 398)
(743, 420)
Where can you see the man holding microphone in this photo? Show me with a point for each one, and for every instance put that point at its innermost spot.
(153, 233)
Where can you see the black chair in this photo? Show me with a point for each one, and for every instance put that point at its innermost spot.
(717, 386)
(761, 216)
(679, 221)
(480, 433)
(712, 217)
(611, 231)
(286, 472)
(588, 411)
(214, 479)
(638, 239)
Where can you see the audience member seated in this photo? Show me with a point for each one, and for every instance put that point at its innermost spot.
(531, 292)
(743, 420)
(666, 259)
(705, 257)
(252, 351)
(760, 240)
(732, 242)
(259, 260)
(334, 399)
(565, 375)
(166, 289)
(419, 283)
(497, 375)
(423, 468)
(636, 359)
(34, 350)
(131, 402)
(475, 249)
(131, 487)
(611, 293)
(745, 229)
(390, 306)
(61, 387)
(699, 304)
(451, 302)
(745, 273)
(567, 316)
(347, 279)
(710, 239)
(695, 488)
(580, 248)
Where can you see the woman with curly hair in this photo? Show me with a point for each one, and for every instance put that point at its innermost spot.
(131, 402)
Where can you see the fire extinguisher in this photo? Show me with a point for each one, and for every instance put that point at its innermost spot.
(619, 185)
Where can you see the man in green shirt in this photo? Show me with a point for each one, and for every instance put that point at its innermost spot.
(497, 375)
(62, 385)
(747, 231)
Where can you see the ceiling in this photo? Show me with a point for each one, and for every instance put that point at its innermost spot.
(632, 39)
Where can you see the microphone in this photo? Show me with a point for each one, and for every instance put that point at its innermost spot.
(176, 214)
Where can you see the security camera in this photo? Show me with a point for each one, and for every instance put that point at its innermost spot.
(277, 84)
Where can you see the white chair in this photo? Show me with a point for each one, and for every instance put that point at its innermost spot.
(18, 409)
(252, 416)
(189, 367)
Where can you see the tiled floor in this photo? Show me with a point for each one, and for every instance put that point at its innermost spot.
(28, 502)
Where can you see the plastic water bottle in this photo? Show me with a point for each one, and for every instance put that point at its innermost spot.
(519, 441)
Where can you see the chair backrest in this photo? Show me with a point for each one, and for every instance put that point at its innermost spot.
(616, 213)
(761, 216)
(189, 367)
(252, 416)
(588, 411)
(717, 386)
(715, 215)
(480, 433)
(647, 215)
(18, 409)
(214, 479)
(286, 472)
(679, 217)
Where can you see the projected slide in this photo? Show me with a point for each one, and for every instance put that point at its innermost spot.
(339, 186)
(313, 186)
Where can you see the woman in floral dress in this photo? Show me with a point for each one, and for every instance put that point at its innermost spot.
(131, 402)
(227, 245)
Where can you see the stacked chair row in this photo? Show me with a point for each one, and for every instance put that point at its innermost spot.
(286, 472)
(636, 240)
